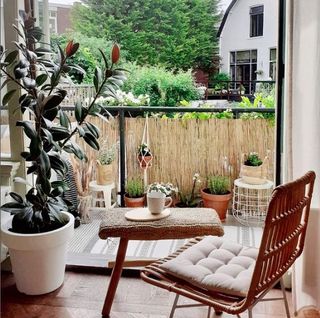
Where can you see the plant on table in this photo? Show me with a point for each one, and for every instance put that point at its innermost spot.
(50, 131)
(254, 170)
(253, 159)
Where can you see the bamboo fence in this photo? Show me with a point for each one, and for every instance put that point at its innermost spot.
(182, 148)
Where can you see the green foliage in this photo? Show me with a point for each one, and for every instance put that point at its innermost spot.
(163, 87)
(51, 131)
(179, 34)
(135, 188)
(88, 55)
(218, 184)
(216, 81)
(144, 150)
(107, 154)
(264, 98)
(190, 199)
(253, 159)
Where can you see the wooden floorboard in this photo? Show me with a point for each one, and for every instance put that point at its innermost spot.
(82, 295)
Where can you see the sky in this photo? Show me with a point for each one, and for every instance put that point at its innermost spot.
(224, 4)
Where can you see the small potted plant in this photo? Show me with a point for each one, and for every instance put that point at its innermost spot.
(144, 155)
(134, 196)
(106, 157)
(167, 188)
(217, 195)
(191, 199)
(254, 170)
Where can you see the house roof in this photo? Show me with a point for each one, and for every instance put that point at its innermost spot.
(225, 17)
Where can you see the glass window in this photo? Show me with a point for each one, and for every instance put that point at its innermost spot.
(5, 134)
(256, 21)
(273, 64)
(243, 66)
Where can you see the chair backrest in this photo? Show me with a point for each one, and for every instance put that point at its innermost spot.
(284, 232)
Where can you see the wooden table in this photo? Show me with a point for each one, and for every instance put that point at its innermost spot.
(182, 223)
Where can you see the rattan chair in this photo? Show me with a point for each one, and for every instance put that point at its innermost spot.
(282, 242)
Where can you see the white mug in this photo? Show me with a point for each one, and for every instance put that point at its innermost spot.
(156, 202)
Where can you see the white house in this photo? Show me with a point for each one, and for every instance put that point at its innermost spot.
(248, 40)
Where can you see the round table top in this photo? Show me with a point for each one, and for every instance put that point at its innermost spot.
(267, 185)
(100, 187)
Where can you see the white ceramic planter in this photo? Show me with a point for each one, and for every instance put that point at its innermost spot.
(38, 260)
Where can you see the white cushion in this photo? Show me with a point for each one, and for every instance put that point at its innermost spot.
(216, 265)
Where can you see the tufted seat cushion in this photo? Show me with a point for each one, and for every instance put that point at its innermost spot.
(216, 265)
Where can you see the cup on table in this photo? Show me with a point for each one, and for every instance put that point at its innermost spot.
(156, 202)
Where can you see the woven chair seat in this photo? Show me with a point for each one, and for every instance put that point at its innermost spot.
(216, 265)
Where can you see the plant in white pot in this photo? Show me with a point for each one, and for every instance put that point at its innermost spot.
(39, 230)
(254, 170)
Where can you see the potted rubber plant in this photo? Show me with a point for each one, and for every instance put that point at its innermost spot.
(217, 195)
(134, 196)
(38, 233)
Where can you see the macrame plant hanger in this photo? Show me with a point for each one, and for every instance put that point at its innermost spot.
(145, 158)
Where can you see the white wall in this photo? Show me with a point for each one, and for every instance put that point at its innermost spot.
(235, 35)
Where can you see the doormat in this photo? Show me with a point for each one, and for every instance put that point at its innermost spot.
(87, 249)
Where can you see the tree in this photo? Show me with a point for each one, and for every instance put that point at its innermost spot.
(179, 34)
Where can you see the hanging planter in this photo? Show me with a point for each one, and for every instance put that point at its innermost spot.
(144, 156)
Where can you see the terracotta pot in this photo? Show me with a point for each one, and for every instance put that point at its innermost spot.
(145, 161)
(218, 202)
(104, 174)
(134, 202)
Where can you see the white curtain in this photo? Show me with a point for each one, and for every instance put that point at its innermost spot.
(302, 133)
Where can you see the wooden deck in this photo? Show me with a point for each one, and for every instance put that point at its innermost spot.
(82, 295)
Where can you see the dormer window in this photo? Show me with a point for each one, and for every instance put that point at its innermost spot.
(256, 21)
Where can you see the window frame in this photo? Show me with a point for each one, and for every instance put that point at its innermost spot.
(258, 30)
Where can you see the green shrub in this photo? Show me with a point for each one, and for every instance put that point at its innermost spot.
(135, 188)
(218, 184)
(216, 81)
(88, 55)
(164, 87)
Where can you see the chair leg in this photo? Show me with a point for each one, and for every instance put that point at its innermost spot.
(174, 306)
(285, 297)
(250, 313)
(209, 312)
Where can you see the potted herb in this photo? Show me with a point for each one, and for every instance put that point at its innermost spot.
(191, 199)
(144, 155)
(217, 195)
(134, 196)
(106, 157)
(39, 231)
(254, 170)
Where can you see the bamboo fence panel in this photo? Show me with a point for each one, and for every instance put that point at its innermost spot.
(182, 148)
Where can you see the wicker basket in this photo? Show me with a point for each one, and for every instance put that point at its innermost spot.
(104, 174)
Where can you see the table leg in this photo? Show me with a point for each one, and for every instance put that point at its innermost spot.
(107, 198)
(115, 277)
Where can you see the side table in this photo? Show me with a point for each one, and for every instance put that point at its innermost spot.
(181, 223)
(105, 189)
(250, 202)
